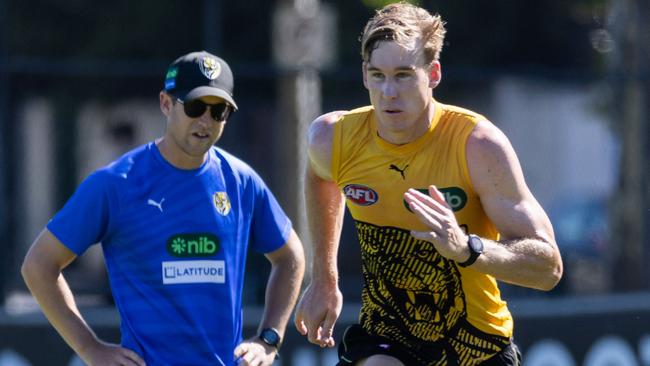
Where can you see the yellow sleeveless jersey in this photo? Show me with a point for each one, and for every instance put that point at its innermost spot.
(411, 293)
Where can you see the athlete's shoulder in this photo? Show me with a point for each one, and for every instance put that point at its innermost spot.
(457, 112)
(320, 130)
(360, 110)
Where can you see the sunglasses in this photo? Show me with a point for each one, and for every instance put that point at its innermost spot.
(195, 108)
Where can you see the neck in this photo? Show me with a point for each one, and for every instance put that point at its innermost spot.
(177, 157)
(417, 130)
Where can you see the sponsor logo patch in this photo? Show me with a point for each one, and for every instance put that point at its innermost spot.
(170, 84)
(203, 271)
(455, 197)
(401, 171)
(192, 245)
(170, 78)
(155, 204)
(171, 73)
(360, 194)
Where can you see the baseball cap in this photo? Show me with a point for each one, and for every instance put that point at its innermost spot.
(200, 74)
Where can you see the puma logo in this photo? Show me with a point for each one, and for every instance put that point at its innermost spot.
(397, 169)
(156, 204)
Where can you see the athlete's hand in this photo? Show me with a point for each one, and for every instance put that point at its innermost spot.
(317, 312)
(109, 354)
(448, 238)
(254, 352)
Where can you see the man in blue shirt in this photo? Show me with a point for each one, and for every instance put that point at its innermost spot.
(175, 218)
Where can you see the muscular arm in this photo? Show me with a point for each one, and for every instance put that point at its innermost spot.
(527, 254)
(321, 302)
(41, 271)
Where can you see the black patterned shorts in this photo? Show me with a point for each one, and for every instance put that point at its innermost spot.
(357, 344)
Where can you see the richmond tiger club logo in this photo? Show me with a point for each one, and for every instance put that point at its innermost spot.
(221, 203)
(210, 67)
(360, 195)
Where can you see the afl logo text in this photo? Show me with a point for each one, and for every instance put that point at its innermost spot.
(360, 194)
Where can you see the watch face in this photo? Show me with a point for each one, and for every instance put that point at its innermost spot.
(270, 337)
(475, 244)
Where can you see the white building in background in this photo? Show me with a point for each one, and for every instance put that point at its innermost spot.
(564, 143)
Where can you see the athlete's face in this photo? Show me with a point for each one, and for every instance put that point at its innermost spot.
(187, 139)
(400, 88)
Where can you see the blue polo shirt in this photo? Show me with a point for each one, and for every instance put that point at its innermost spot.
(175, 243)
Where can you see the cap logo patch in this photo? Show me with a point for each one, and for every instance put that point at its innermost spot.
(170, 78)
(171, 73)
(210, 67)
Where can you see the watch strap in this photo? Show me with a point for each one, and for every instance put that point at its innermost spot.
(473, 254)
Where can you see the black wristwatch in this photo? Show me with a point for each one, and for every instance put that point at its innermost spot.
(271, 337)
(475, 245)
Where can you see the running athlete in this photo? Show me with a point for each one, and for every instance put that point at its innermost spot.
(175, 218)
(441, 209)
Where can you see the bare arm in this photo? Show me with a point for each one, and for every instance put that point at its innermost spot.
(283, 287)
(288, 268)
(321, 303)
(41, 271)
(527, 255)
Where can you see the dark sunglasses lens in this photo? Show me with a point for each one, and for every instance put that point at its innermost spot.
(194, 108)
(220, 111)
